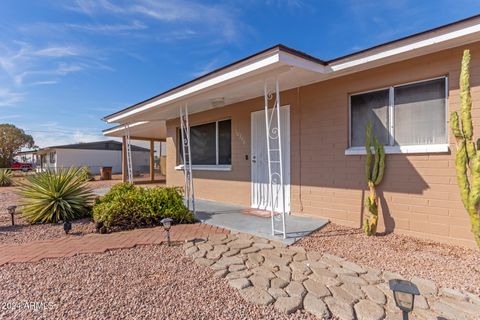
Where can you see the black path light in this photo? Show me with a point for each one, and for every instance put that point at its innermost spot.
(167, 224)
(67, 226)
(11, 211)
(404, 293)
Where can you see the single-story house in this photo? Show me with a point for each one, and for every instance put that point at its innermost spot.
(406, 87)
(91, 154)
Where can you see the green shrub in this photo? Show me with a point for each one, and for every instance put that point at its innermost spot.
(6, 176)
(127, 206)
(53, 196)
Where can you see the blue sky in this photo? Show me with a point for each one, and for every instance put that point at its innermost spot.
(66, 64)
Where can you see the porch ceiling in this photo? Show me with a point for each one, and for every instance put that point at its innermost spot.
(156, 130)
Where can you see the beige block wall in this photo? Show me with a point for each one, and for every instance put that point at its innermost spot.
(419, 193)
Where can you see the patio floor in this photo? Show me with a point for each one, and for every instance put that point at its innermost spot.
(238, 218)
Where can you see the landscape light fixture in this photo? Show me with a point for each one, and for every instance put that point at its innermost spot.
(167, 224)
(404, 293)
(11, 211)
(67, 226)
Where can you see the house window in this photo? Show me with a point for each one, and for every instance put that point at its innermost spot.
(210, 144)
(52, 157)
(404, 115)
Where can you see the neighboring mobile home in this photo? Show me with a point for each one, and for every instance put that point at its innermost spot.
(91, 154)
(407, 88)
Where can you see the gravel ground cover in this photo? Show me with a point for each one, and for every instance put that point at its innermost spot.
(148, 282)
(449, 266)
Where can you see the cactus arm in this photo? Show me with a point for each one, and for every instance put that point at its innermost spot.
(455, 126)
(381, 165)
(368, 150)
(462, 175)
(465, 97)
(376, 159)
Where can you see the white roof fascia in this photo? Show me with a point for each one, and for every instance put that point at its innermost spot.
(405, 48)
(124, 127)
(243, 70)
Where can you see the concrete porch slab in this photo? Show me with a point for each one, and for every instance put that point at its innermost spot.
(233, 217)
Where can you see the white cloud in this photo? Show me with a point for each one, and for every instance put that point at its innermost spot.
(109, 28)
(57, 52)
(9, 98)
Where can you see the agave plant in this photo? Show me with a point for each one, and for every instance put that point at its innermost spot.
(6, 177)
(53, 196)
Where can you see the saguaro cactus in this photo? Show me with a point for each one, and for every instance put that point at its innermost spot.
(374, 175)
(467, 159)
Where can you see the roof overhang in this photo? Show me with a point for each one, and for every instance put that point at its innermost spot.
(142, 130)
(244, 79)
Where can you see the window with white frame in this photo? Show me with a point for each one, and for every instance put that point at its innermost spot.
(210, 144)
(404, 115)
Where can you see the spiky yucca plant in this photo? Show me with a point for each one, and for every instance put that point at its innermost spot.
(54, 196)
(6, 176)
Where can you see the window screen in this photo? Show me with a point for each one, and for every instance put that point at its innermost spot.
(203, 144)
(373, 107)
(420, 113)
(224, 142)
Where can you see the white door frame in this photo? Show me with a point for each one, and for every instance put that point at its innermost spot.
(254, 201)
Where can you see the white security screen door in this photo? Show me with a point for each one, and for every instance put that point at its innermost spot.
(259, 159)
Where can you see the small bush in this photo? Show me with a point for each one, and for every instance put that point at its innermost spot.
(6, 176)
(54, 196)
(126, 206)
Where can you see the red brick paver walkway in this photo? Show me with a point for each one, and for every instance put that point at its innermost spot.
(98, 243)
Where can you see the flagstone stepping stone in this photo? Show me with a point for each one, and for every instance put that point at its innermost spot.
(329, 262)
(387, 276)
(256, 296)
(299, 257)
(204, 262)
(315, 288)
(230, 253)
(277, 293)
(354, 290)
(323, 272)
(263, 246)
(375, 294)
(259, 281)
(255, 258)
(462, 306)
(343, 271)
(288, 304)
(239, 274)
(250, 250)
(452, 293)
(425, 286)
(315, 264)
(352, 279)
(372, 277)
(299, 277)
(369, 310)
(263, 272)
(340, 309)
(300, 267)
(284, 275)
(191, 250)
(314, 255)
(187, 245)
(217, 237)
(328, 281)
(420, 314)
(421, 302)
(473, 298)
(296, 289)
(278, 283)
(273, 261)
(353, 266)
(236, 267)
(199, 254)
(316, 306)
(447, 311)
(214, 255)
(240, 244)
(240, 283)
(205, 246)
(228, 261)
(340, 294)
(333, 257)
(220, 273)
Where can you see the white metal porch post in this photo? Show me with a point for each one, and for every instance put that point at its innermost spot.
(275, 157)
(129, 154)
(187, 163)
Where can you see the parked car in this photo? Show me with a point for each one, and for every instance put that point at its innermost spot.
(23, 166)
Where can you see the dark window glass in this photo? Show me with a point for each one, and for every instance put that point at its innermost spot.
(203, 144)
(373, 107)
(224, 142)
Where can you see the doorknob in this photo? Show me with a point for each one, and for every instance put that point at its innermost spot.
(254, 159)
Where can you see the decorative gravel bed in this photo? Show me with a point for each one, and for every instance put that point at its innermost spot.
(449, 266)
(148, 282)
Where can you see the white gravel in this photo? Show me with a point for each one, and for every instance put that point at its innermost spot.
(148, 282)
(447, 265)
